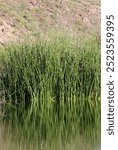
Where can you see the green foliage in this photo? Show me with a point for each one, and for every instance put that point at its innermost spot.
(52, 84)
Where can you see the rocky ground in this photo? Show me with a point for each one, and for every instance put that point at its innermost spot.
(29, 18)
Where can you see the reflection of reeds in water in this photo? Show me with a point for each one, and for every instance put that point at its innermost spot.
(52, 88)
(89, 140)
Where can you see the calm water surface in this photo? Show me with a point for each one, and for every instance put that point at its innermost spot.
(12, 139)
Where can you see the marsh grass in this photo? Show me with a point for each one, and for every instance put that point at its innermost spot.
(51, 88)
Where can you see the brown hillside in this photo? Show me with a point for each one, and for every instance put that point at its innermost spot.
(21, 18)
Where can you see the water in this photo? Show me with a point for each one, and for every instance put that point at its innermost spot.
(49, 130)
(14, 139)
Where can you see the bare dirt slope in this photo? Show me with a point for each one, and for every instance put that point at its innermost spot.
(21, 18)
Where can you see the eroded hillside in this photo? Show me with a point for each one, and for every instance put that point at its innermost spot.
(29, 18)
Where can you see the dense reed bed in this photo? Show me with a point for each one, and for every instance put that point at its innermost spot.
(51, 84)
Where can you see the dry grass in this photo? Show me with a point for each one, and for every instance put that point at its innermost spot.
(20, 18)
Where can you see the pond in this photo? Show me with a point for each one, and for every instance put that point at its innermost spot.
(15, 139)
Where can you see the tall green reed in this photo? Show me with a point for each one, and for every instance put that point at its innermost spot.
(52, 84)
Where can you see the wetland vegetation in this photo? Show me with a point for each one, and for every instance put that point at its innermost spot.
(50, 95)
